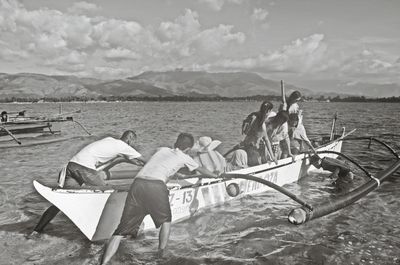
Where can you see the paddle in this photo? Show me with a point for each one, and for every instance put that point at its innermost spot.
(12, 135)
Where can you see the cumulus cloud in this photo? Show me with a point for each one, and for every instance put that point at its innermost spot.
(306, 54)
(83, 8)
(259, 14)
(184, 26)
(114, 33)
(369, 64)
(185, 37)
(121, 54)
(77, 43)
(216, 38)
(217, 5)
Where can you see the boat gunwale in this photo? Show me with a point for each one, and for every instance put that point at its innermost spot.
(109, 190)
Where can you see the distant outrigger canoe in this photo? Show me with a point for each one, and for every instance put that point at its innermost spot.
(97, 211)
(21, 127)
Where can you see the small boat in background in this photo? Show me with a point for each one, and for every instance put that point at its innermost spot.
(15, 125)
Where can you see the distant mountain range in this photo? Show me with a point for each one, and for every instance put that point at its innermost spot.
(170, 83)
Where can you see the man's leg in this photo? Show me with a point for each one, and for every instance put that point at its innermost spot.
(47, 216)
(111, 249)
(163, 238)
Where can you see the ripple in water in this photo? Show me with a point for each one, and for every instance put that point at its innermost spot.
(250, 230)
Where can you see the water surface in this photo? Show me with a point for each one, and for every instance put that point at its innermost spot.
(251, 230)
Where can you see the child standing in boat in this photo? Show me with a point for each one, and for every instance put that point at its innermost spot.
(255, 131)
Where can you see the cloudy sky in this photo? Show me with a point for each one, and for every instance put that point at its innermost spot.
(303, 42)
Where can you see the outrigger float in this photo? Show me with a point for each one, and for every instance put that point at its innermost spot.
(19, 126)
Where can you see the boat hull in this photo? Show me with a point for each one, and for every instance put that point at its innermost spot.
(22, 130)
(97, 212)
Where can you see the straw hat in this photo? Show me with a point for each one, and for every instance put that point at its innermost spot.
(205, 144)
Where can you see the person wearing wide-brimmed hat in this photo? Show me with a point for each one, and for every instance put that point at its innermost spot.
(205, 155)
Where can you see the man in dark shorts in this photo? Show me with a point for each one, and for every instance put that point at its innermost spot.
(148, 194)
(84, 168)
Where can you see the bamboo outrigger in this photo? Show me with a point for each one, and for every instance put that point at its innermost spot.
(21, 127)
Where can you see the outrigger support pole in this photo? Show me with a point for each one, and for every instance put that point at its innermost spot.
(82, 127)
(376, 140)
(301, 215)
(269, 184)
(11, 135)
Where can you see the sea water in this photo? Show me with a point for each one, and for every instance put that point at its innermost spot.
(250, 230)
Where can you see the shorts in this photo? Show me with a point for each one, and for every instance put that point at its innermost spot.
(144, 197)
(82, 175)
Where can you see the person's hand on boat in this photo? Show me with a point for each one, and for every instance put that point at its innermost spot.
(293, 157)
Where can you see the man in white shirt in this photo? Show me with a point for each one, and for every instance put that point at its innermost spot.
(84, 168)
(148, 194)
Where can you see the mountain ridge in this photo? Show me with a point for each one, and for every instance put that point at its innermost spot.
(169, 84)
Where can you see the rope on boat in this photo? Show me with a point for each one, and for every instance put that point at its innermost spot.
(11, 135)
(301, 215)
(377, 180)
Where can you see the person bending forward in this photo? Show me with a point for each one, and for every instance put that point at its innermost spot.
(148, 194)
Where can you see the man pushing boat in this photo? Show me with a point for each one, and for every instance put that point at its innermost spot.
(84, 168)
(341, 171)
(149, 194)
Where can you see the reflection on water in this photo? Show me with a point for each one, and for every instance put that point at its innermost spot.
(251, 230)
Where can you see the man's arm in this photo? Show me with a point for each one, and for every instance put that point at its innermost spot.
(269, 148)
(121, 159)
(206, 172)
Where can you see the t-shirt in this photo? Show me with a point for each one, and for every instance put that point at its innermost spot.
(294, 108)
(102, 151)
(165, 163)
(299, 133)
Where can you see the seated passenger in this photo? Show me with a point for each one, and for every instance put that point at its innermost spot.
(237, 161)
(4, 116)
(206, 156)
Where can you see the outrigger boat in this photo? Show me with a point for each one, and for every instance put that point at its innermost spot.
(97, 211)
(20, 126)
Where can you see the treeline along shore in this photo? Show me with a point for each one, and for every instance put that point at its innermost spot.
(190, 98)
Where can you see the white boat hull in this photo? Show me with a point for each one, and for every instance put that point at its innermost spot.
(97, 212)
